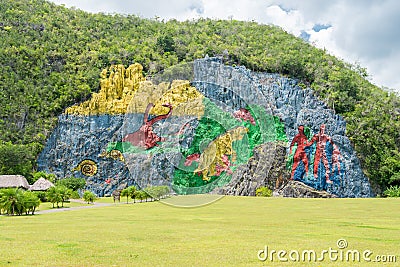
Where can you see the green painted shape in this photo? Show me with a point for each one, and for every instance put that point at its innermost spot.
(215, 122)
(267, 128)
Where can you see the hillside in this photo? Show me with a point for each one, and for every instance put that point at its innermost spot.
(51, 58)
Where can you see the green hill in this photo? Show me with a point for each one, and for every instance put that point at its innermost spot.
(51, 58)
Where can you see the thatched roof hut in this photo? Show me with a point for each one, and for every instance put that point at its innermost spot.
(41, 185)
(13, 181)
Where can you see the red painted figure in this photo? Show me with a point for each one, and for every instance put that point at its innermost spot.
(321, 138)
(336, 158)
(300, 155)
(145, 137)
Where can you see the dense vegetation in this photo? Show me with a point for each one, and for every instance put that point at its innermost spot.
(51, 58)
(15, 201)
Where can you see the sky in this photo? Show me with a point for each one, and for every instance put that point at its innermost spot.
(364, 32)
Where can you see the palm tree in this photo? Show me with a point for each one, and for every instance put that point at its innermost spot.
(141, 195)
(53, 195)
(132, 192)
(129, 192)
(125, 193)
(12, 201)
(31, 202)
(65, 193)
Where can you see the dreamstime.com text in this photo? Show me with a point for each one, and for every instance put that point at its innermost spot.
(339, 253)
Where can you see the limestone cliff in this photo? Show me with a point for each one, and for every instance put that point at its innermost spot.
(189, 131)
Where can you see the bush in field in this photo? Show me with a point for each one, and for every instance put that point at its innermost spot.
(263, 191)
(392, 191)
(89, 196)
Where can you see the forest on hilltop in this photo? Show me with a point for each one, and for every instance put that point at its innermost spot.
(51, 58)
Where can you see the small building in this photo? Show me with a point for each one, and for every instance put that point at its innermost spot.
(41, 185)
(13, 181)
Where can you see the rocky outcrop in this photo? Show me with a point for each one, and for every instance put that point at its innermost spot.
(77, 138)
(298, 189)
(266, 168)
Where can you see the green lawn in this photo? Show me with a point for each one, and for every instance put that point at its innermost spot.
(49, 206)
(228, 232)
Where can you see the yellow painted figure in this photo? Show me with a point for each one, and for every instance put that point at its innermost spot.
(215, 154)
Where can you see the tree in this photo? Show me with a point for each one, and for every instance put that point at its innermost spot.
(16, 201)
(89, 196)
(141, 195)
(129, 192)
(12, 201)
(164, 191)
(64, 192)
(48, 176)
(125, 193)
(165, 44)
(17, 159)
(73, 183)
(53, 195)
(31, 202)
(133, 193)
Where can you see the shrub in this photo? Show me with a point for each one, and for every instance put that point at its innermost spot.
(263, 191)
(75, 195)
(41, 195)
(89, 196)
(392, 191)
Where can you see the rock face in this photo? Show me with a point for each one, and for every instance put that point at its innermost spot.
(77, 138)
(300, 190)
(295, 106)
(229, 131)
(267, 167)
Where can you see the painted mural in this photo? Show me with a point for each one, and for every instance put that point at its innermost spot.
(210, 145)
(194, 133)
(316, 160)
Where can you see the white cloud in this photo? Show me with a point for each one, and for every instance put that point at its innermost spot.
(292, 21)
(364, 31)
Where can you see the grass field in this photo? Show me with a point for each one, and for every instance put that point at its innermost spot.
(228, 232)
(49, 206)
